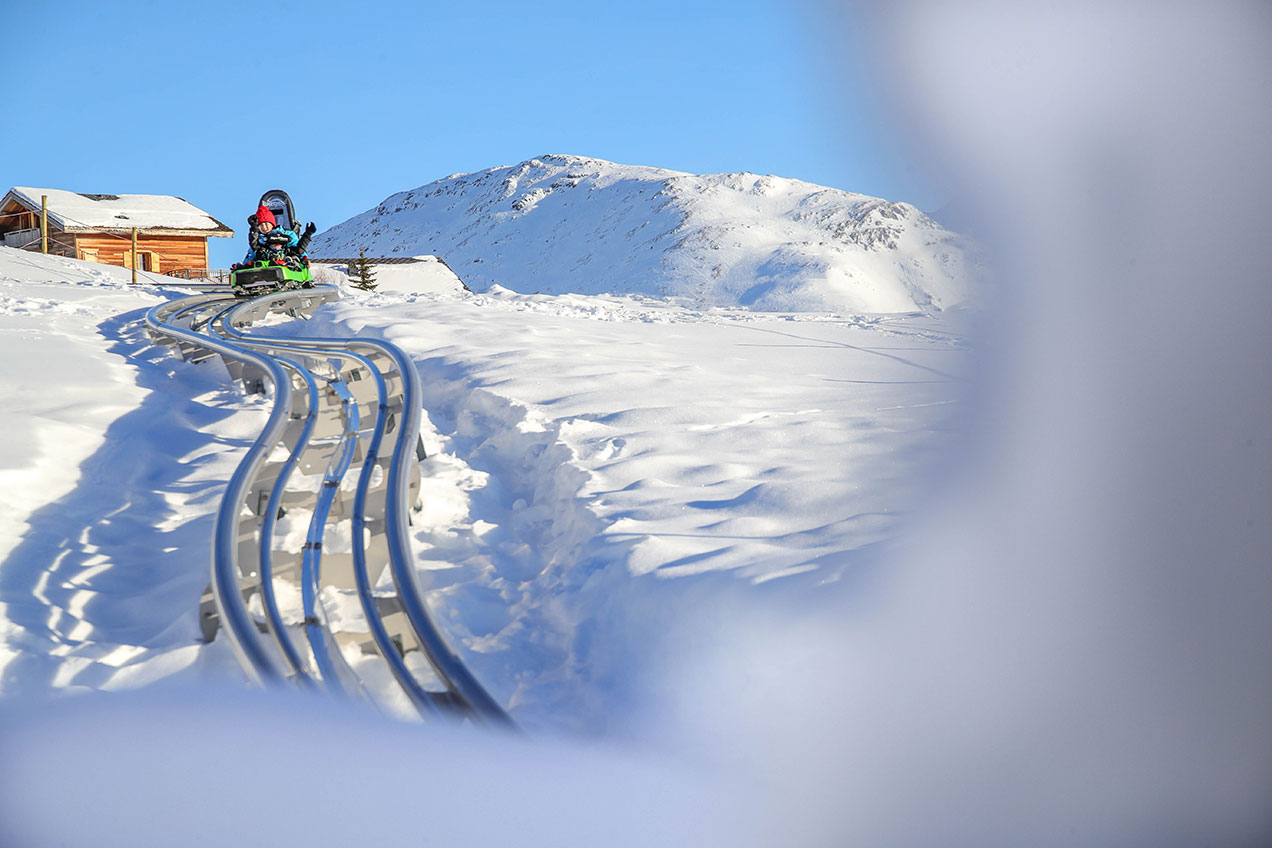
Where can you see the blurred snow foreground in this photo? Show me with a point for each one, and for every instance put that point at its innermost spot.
(1077, 653)
(1080, 652)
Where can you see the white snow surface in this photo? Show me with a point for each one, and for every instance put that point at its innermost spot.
(609, 480)
(599, 466)
(111, 466)
(143, 211)
(429, 274)
(561, 224)
(589, 455)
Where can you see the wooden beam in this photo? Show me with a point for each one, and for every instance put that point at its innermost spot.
(153, 231)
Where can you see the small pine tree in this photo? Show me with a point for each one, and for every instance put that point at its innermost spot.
(361, 274)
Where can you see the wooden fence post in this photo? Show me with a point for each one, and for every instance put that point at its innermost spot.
(134, 255)
(44, 223)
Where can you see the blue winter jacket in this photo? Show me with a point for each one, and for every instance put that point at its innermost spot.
(259, 250)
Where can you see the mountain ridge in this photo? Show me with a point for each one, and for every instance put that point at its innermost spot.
(561, 223)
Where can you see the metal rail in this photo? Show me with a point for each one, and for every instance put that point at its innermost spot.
(336, 403)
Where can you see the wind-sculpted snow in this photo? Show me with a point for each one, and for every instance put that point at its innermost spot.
(602, 472)
(567, 224)
(113, 461)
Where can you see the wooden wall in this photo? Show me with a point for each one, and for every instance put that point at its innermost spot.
(168, 253)
(14, 216)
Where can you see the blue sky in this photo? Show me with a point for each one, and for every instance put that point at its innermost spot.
(344, 103)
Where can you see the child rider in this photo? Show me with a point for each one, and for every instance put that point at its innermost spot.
(268, 242)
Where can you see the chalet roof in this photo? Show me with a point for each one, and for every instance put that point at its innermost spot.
(159, 214)
(377, 260)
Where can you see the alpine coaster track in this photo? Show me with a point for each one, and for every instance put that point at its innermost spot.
(340, 449)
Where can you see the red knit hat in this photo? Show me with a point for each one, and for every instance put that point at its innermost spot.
(263, 214)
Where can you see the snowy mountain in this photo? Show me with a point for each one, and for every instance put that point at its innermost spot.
(568, 224)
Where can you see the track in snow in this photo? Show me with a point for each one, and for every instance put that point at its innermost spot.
(312, 573)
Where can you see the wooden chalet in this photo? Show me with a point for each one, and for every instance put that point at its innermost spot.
(172, 235)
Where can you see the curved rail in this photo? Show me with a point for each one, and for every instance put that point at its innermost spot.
(335, 402)
(446, 663)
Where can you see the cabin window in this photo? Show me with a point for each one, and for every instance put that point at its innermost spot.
(146, 260)
(88, 254)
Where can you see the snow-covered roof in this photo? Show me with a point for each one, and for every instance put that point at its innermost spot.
(78, 213)
(377, 260)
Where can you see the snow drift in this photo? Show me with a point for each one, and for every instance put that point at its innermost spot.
(568, 224)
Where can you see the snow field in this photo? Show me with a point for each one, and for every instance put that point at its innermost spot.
(115, 458)
(600, 471)
(587, 453)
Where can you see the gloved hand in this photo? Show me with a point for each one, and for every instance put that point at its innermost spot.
(310, 228)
